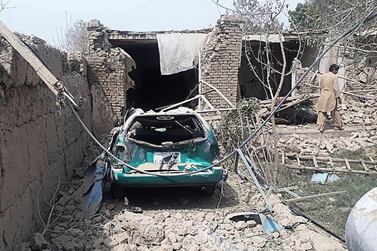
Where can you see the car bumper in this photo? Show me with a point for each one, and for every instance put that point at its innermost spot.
(208, 177)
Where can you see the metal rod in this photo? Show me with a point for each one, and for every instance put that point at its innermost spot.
(255, 180)
(217, 90)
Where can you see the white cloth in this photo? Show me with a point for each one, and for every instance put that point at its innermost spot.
(179, 51)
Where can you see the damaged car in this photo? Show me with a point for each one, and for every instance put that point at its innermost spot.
(162, 149)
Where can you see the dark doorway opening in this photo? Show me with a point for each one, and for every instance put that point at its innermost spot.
(153, 90)
(250, 82)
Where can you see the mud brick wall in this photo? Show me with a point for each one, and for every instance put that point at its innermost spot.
(220, 60)
(39, 143)
(308, 84)
(108, 76)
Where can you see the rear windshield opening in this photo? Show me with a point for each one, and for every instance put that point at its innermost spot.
(165, 129)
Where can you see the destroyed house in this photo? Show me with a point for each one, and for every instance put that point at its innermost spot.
(152, 70)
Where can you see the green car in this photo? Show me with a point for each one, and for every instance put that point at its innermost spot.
(162, 149)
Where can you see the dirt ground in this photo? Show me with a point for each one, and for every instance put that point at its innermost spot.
(176, 219)
(185, 219)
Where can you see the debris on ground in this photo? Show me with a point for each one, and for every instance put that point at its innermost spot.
(199, 223)
(322, 178)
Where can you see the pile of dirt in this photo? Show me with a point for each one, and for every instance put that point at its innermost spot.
(174, 219)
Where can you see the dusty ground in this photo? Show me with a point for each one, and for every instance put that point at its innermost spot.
(176, 219)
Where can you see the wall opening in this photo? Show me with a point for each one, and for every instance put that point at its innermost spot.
(153, 90)
(250, 85)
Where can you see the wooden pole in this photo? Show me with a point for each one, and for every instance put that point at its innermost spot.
(326, 159)
(217, 90)
(42, 71)
(330, 170)
(314, 196)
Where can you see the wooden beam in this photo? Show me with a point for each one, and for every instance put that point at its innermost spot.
(295, 195)
(26, 53)
(298, 160)
(347, 164)
(325, 159)
(314, 196)
(331, 163)
(364, 165)
(315, 161)
(289, 188)
(42, 71)
(330, 170)
(217, 90)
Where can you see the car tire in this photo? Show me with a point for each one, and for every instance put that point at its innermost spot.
(208, 190)
(117, 191)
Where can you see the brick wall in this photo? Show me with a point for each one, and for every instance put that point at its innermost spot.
(220, 60)
(310, 82)
(108, 76)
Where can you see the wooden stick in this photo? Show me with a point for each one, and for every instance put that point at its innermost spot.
(322, 159)
(298, 102)
(368, 90)
(293, 103)
(181, 103)
(217, 90)
(209, 104)
(372, 161)
(314, 196)
(331, 163)
(295, 195)
(219, 109)
(329, 170)
(364, 165)
(298, 160)
(347, 164)
(289, 188)
(315, 161)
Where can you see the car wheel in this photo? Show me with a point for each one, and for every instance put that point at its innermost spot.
(209, 190)
(117, 191)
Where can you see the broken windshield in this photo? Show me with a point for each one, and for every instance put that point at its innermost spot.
(165, 130)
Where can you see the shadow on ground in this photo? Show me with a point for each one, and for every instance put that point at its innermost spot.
(175, 198)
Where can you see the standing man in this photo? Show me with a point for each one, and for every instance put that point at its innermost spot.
(329, 99)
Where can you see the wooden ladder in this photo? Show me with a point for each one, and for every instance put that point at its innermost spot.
(329, 164)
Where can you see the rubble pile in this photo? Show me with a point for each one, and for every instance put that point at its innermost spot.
(188, 222)
(356, 113)
(360, 119)
(325, 146)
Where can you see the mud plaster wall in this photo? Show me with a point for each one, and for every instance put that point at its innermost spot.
(221, 59)
(38, 143)
(108, 76)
